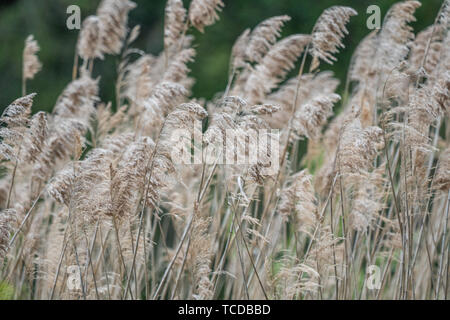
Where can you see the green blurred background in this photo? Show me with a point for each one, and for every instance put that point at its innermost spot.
(46, 20)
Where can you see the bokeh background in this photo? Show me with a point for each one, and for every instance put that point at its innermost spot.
(46, 20)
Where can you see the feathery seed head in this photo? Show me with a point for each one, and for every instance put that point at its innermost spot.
(35, 137)
(88, 45)
(312, 115)
(264, 36)
(274, 67)
(238, 52)
(174, 22)
(203, 13)
(113, 16)
(328, 33)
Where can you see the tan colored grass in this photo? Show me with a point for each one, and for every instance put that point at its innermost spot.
(94, 185)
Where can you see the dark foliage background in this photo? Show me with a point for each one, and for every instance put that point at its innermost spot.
(46, 19)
